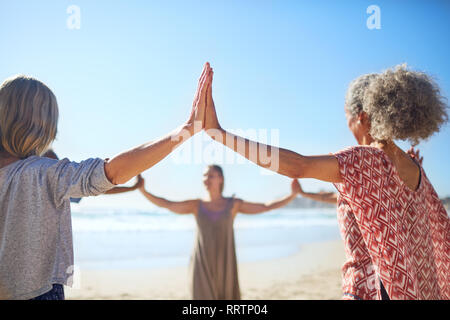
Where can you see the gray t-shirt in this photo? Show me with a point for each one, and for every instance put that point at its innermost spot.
(35, 224)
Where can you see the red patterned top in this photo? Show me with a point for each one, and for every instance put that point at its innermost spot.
(391, 233)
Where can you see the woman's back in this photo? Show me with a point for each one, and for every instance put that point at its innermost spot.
(35, 222)
(406, 232)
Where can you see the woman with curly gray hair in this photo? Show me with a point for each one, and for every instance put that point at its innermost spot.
(395, 229)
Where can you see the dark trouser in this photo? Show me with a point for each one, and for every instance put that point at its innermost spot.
(57, 293)
(384, 294)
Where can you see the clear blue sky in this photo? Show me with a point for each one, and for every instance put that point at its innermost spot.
(128, 76)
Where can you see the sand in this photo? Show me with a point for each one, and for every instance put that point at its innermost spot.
(311, 273)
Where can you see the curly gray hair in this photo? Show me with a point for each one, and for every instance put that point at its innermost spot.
(404, 104)
(354, 98)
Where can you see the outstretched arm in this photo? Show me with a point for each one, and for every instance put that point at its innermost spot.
(254, 208)
(180, 207)
(117, 190)
(52, 155)
(128, 164)
(282, 161)
(136, 186)
(328, 197)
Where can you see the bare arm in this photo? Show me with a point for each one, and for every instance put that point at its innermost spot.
(117, 190)
(128, 164)
(255, 208)
(328, 197)
(180, 207)
(136, 186)
(282, 161)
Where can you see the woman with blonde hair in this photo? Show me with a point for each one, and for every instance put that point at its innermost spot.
(213, 265)
(395, 228)
(36, 252)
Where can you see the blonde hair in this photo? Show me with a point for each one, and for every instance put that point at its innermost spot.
(28, 116)
(404, 104)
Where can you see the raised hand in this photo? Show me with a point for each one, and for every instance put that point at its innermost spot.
(130, 163)
(140, 183)
(415, 154)
(295, 187)
(196, 119)
(211, 121)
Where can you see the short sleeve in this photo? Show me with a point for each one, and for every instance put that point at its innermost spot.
(349, 161)
(77, 179)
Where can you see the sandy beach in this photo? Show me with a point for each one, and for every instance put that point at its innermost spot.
(311, 273)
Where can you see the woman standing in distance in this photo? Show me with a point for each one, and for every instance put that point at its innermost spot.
(213, 267)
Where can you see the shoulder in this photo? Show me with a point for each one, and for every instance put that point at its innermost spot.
(192, 203)
(236, 204)
(28, 173)
(38, 161)
(31, 164)
(43, 162)
(353, 162)
(195, 205)
(236, 201)
(357, 155)
(355, 151)
(65, 164)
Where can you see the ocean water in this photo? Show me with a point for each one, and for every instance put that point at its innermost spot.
(131, 239)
